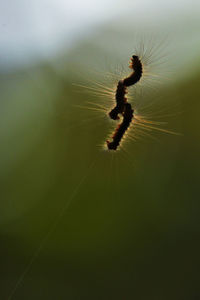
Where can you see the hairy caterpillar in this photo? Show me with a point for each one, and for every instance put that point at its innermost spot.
(146, 69)
(122, 106)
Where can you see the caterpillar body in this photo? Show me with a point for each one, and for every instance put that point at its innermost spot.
(122, 106)
(120, 101)
(121, 129)
(136, 65)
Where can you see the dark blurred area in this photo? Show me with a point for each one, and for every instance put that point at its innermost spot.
(79, 222)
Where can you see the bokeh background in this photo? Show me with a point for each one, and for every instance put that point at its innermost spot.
(78, 222)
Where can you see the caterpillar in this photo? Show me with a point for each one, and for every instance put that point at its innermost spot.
(122, 106)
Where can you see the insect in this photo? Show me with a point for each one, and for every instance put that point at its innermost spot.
(146, 70)
(122, 106)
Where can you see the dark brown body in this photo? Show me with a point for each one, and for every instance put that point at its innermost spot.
(136, 65)
(121, 129)
(122, 106)
(120, 101)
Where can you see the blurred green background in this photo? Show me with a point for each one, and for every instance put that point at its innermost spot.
(78, 222)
